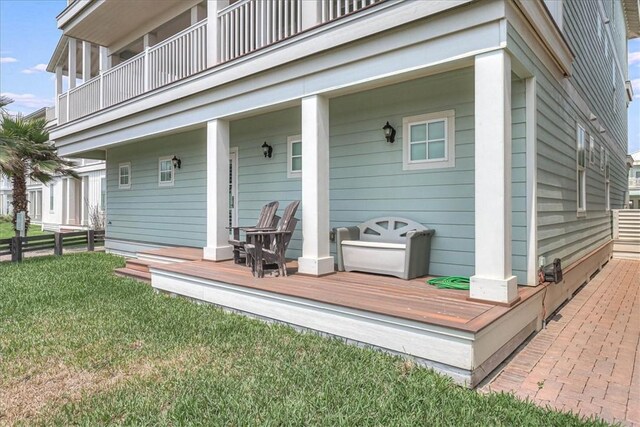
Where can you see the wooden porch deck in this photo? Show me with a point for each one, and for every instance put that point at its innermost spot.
(406, 299)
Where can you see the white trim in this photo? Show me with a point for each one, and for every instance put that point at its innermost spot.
(120, 166)
(162, 183)
(449, 159)
(532, 181)
(592, 150)
(290, 141)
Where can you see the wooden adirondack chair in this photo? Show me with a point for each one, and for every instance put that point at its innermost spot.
(270, 246)
(267, 220)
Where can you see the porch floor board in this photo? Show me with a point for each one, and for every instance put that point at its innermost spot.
(407, 299)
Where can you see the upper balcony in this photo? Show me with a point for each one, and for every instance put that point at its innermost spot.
(186, 44)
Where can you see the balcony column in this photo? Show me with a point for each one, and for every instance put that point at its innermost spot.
(493, 279)
(311, 14)
(316, 256)
(86, 61)
(218, 248)
(58, 88)
(72, 63)
(149, 40)
(104, 59)
(213, 50)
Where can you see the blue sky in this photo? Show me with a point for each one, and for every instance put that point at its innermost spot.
(28, 35)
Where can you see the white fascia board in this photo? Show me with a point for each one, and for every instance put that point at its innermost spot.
(90, 168)
(536, 14)
(75, 9)
(416, 51)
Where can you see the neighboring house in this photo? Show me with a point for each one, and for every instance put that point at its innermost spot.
(67, 203)
(510, 120)
(634, 182)
(6, 192)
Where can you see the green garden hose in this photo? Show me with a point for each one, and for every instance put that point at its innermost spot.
(450, 282)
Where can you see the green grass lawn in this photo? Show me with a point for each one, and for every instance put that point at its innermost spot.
(6, 230)
(81, 346)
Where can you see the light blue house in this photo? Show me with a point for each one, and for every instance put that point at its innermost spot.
(510, 119)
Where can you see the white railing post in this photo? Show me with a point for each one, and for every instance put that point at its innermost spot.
(311, 14)
(145, 68)
(213, 29)
(101, 89)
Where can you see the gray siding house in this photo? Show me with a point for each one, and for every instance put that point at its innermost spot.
(510, 119)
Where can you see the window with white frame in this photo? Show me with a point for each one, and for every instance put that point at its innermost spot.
(428, 141)
(52, 200)
(294, 156)
(581, 170)
(124, 176)
(599, 20)
(165, 171)
(607, 182)
(592, 150)
(601, 157)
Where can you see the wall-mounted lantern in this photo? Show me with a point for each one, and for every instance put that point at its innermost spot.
(177, 163)
(267, 150)
(389, 133)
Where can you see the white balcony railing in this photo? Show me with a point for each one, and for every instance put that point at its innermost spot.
(248, 25)
(244, 27)
(634, 183)
(173, 59)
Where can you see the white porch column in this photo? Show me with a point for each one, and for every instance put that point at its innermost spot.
(58, 89)
(316, 259)
(149, 40)
(103, 59)
(213, 51)
(86, 61)
(218, 248)
(72, 63)
(493, 279)
(311, 14)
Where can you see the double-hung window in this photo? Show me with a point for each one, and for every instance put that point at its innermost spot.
(294, 156)
(581, 178)
(592, 150)
(165, 171)
(124, 176)
(601, 157)
(429, 141)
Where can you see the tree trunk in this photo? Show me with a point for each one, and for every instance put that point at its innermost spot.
(20, 201)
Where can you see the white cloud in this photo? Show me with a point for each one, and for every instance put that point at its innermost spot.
(7, 60)
(40, 68)
(635, 84)
(27, 101)
(634, 58)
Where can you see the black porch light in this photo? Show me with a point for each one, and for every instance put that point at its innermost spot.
(267, 150)
(177, 163)
(389, 133)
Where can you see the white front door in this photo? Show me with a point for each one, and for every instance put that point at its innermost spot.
(233, 187)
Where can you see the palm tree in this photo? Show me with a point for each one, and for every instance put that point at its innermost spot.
(26, 153)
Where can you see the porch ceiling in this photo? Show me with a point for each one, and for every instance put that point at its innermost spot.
(107, 21)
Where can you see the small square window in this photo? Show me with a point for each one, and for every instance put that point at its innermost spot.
(294, 156)
(165, 171)
(429, 141)
(124, 176)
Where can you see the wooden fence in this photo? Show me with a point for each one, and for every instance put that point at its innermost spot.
(18, 246)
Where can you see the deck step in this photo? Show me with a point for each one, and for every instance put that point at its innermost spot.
(133, 274)
(140, 264)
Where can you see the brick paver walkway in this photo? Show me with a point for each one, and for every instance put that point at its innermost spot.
(586, 360)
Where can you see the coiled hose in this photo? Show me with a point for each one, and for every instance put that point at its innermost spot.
(450, 282)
